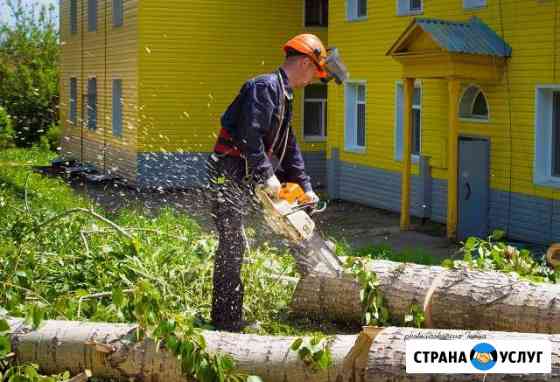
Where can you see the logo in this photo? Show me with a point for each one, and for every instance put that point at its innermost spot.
(466, 356)
(484, 356)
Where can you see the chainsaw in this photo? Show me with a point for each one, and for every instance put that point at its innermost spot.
(289, 215)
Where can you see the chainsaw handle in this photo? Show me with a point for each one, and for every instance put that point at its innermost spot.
(321, 206)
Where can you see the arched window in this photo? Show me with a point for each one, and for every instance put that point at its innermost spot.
(473, 104)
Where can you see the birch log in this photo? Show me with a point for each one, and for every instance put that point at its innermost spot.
(451, 298)
(375, 355)
(110, 351)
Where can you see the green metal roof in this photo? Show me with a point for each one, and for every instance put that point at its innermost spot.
(474, 36)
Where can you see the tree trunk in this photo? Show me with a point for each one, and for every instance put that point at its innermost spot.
(380, 355)
(110, 351)
(467, 299)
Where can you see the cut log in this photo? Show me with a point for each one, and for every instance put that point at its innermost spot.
(380, 355)
(451, 298)
(109, 351)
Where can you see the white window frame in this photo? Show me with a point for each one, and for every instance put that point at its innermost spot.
(323, 102)
(350, 144)
(542, 168)
(399, 119)
(474, 119)
(470, 4)
(403, 8)
(352, 10)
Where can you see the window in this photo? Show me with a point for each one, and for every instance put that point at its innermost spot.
(73, 104)
(92, 15)
(118, 13)
(73, 16)
(547, 136)
(556, 134)
(470, 4)
(316, 13)
(315, 112)
(473, 104)
(357, 9)
(416, 121)
(409, 7)
(355, 118)
(117, 108)
(92, 104)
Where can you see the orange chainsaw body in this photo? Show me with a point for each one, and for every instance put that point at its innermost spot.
(292, 193)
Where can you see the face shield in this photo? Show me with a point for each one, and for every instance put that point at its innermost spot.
(334, 67)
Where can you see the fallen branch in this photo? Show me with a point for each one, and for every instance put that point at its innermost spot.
(115, 226)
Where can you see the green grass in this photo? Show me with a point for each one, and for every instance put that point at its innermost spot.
(385, 252)
(51, 265)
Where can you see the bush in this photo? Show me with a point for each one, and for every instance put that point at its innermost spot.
(51, 139)
(29, 53)
(6, 131)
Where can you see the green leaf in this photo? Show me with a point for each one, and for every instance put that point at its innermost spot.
(498, 235)
(318, 355)
(296, 344)
(470, 243)
(448, 263)
(35, 316)
(5, 346)
(227, 363)
(325, 361)
(31, 372)
(118, 297)
(4, 326)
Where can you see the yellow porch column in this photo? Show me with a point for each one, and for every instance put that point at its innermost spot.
(452, 163)
(407, 151)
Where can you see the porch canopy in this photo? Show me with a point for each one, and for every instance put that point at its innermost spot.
(451, 51)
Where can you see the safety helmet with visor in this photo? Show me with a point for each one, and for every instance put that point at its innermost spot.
(327, 61)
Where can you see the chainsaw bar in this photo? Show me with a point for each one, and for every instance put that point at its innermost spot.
(293, 223)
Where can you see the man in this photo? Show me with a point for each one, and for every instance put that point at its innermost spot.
(256, 145)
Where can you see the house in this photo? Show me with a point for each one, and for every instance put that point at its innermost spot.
(470, 88)
(144, 83)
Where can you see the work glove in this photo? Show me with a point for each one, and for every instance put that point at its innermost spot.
(272, 187)
(312, 197)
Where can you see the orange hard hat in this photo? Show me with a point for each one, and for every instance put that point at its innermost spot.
(312, 47)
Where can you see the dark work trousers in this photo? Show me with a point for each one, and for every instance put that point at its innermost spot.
(231, 200)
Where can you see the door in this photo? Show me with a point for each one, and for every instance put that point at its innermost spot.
(473, 198)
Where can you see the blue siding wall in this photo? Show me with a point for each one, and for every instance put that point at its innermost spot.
(316, 168)
(171, 170)
(532, 219)
(373, 187)
(439, 200)
(177, 170)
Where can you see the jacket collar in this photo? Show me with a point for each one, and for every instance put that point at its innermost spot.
(288, 92)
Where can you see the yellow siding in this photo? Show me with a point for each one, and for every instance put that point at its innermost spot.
(529, 28)
(194, 57)
(106, 54)
(70, 67)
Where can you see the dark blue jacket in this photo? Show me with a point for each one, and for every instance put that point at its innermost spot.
(253, 120)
